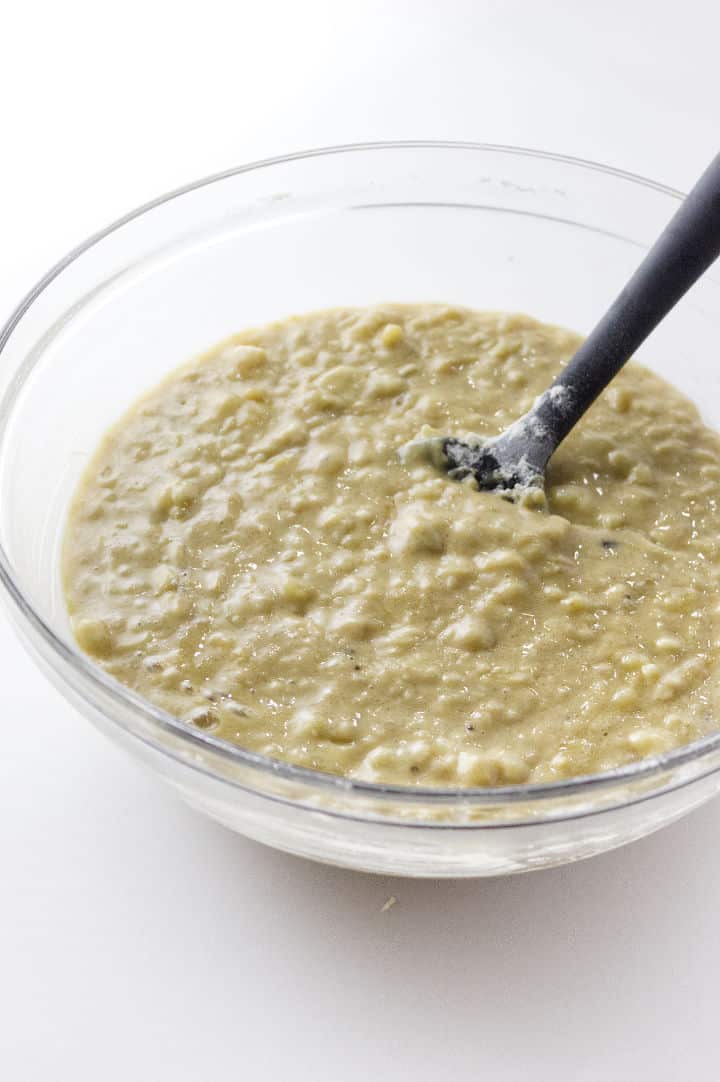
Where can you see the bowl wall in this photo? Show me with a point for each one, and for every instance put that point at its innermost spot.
(487, 227)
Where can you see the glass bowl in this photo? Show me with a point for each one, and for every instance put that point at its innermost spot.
(486, 226)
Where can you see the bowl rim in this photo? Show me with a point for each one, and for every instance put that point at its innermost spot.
(98, 679)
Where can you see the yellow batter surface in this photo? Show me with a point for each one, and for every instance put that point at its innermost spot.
(248, 551)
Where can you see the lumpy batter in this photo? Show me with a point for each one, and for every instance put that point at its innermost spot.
(248, 551)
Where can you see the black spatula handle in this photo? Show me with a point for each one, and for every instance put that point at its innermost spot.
(686, 248)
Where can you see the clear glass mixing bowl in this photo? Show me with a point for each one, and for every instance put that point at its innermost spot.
(490, 227)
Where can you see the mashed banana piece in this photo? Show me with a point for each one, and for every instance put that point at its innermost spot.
(247, 550)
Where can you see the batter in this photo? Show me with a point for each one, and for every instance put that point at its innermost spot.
(248, 551)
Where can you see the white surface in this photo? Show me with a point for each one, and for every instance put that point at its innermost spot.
(138, 941)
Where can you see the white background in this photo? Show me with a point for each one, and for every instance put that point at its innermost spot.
(141, 942)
